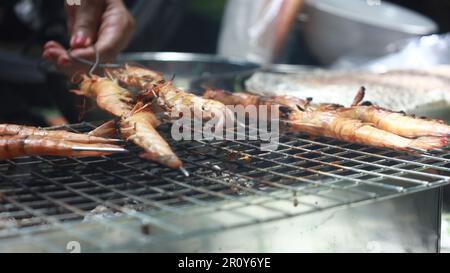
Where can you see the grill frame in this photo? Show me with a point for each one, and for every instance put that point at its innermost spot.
(231, 190)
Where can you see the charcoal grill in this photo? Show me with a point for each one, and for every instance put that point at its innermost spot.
(236, 198)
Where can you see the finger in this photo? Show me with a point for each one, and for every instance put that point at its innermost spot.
(115, 33)
(54, 46)
(87, 53)
(57, 56)
(86, 21)
(70, 13)
(51, 44)
(50, 56)
(109, 43)
(62, 56)
(63, 59)
(56, 51)
(53, 50)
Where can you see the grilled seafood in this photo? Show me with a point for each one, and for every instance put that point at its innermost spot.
(134, 76)
(397, 123)
(330, 124)
(166, 98)
(107, 129)
(137, 122)
(247, 99)
(139, 127)
(108, 95)
(327, 120)
(23, 131)
(15, 146)
(229, 98)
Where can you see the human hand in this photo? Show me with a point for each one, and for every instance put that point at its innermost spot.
(105, 24)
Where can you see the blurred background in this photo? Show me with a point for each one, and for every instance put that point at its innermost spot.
(31, 92)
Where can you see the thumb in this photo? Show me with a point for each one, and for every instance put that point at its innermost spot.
(85, 22)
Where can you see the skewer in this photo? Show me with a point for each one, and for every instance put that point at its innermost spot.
(438, 150)
(117, 140)
(94, 65)
(184, 171)
(99, 149)
(420, 151)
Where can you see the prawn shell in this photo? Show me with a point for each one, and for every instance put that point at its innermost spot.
(108, 95)
(139, 127)
(22, 130)
(15, 146)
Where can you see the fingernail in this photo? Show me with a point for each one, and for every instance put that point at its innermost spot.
(63, 62)
(80, 40)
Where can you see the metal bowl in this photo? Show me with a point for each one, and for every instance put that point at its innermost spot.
(186, 68)
(334, 28)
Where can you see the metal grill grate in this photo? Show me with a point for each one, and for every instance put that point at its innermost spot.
(47, 194)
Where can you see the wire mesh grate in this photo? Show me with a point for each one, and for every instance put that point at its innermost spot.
(42, 194)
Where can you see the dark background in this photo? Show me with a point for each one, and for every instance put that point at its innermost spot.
(186, 25)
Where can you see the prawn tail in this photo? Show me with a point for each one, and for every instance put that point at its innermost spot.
(110, 74)
(169, 160)
(429, 143)
(78, 77)
(78, 92)
(106, 130)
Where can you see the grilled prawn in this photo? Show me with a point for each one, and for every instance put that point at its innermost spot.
(171, 101)
(137, 122)
(108, 95)
(134, 76)
(229, 98)
(23, 131)
(397, 123)
(15, 146)
(166, 98)
(326, 120)
(107, 129)
(139, 127)
(330, 124)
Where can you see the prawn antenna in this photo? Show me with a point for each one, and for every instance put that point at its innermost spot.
(93, 65)
(77, 77)
(109, 75)
(84, 108)
(359, 96)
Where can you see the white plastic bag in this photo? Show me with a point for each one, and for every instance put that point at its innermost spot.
(413, 53)
(248, 30)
